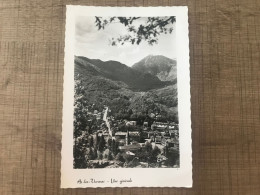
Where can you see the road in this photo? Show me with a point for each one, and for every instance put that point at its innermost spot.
(107, 122)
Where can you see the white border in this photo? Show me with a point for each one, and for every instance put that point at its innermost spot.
(141, 177)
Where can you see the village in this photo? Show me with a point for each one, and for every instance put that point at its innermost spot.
(114, 143)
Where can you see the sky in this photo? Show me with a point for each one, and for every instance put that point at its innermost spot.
(94, 44)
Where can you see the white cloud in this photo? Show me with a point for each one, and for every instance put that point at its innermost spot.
(94, 43)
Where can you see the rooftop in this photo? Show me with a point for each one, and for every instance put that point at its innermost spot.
(130, 147)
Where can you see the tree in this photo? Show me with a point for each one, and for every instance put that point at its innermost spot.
(91, 141)
(79, 152)
(119, 157)
(127, 157)
(173, 158)
(130, 112)
(110, 157)
(99, 155)
(80, 112)
(91, 154)
(148, 147)
(101, 143)
(154, 153)
(114, 147)
(109, 143)
(139, 28)
(107, 154)
(95, 153)
(96, 140)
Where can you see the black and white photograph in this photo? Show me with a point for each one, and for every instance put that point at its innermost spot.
(125, 101)
(126, 96)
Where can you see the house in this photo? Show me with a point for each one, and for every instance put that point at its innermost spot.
(130, 153)
(150, 134)
(144, 164)
(173, 143)
(164, 126)
(130, 147)
(173, 133)
(134, 136)
(152, 115)
(158, 116)
(158, 139)
(173, 126)
(159, 126)
(120, 135)
(161, 158)
(145, 125)
(131, 123)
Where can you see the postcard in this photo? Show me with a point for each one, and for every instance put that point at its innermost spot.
(126, 100)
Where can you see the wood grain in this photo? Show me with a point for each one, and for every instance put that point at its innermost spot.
(225, 96)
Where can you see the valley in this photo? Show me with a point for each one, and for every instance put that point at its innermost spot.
(126, 116)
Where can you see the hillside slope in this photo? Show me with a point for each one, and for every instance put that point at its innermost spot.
(125, 90)
(115, 71)
(160, 66)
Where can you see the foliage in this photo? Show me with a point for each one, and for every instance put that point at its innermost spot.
(139, 29)
(114, 147)
(155, 151)
(99, 155)
(107, 154)
(80, 112)
(148, 153)
(109, 143)
(127, 157)
(148, 147)
(101, 143)
(80, 151)
(91, 155)
(173, 157)
(120, 157)
(91, 141)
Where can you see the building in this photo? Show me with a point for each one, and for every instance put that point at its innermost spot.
(152, 115)
(130, 136)
(131, 147)
(131, 123)
(145, 125)
(158, 139)
(120, 135)
(160, 126)
(150, 134)
(134, 136)
(161, 158)
(171, 142)
(173, 133)
(130, 153)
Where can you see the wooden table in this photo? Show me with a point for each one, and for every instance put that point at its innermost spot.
(225, 96)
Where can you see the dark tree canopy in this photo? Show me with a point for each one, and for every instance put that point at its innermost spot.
(139, 29)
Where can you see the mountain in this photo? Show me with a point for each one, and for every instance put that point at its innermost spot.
(160, 66)
(116, 71)
(124, 89)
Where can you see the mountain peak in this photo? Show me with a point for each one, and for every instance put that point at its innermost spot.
(154, 57)
(158, 65)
